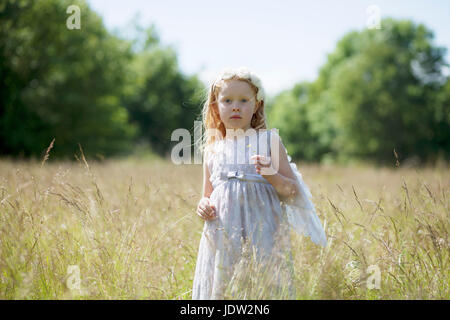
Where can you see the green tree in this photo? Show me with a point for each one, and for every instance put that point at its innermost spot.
(383, 93)
(60, 83)
(379, 90)
(289, 113)
(159, 97)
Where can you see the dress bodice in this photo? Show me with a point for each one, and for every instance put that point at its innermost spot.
(230, 158)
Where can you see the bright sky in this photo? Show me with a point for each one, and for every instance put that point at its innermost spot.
(283, 41)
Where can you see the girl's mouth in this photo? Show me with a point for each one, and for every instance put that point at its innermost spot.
(235, 117)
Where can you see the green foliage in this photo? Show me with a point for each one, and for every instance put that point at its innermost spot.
(290, 115)
(380, 90)
(60, 83)
(382, 93)
(159, 97)
(86, 86)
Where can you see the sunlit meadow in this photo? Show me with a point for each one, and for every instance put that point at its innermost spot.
(130, 228)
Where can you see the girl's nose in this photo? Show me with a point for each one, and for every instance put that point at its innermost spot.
(235, 109)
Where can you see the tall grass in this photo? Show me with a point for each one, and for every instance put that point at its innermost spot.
(130, 227)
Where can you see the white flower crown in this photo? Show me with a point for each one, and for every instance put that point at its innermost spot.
(244, 73)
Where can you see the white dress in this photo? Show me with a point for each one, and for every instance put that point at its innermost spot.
(245, 253)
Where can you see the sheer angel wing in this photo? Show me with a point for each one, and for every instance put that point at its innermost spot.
(301, 212)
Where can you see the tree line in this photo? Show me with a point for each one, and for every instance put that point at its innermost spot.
(382, 96)
(380, 91)
(86, 86)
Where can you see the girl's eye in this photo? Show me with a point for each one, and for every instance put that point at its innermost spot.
(229, 100)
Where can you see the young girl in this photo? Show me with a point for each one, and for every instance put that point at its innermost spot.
(251, 195)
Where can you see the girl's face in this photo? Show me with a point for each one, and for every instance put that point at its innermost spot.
(236, 103)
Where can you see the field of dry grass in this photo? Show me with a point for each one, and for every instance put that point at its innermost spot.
(129, 227)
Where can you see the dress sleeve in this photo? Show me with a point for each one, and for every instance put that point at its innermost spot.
(301, 212)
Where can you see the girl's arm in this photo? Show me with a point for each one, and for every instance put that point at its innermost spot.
(283, 180)
(205, 209)
(207, 186)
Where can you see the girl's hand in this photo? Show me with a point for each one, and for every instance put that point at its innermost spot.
(206, 210)
(263, 165)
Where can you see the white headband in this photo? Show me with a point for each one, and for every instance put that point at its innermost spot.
(244, 73)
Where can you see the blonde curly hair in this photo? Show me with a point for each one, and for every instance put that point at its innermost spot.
(210, 112)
